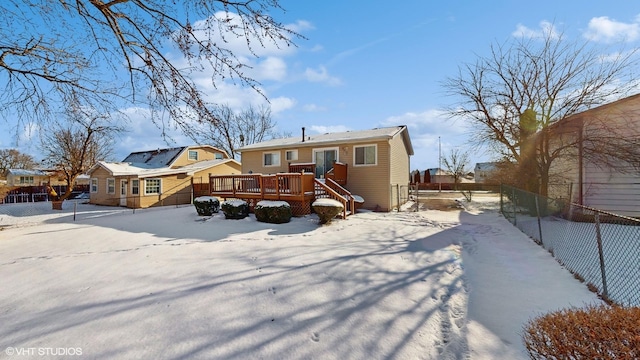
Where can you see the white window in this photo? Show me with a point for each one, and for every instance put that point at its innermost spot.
(291, 155)
(271, 159)
(152, 186)
(111, 186)
(218, 156)
(94, 186)
(193, 155)
(365, 155)
(26, 179)
(135, 187)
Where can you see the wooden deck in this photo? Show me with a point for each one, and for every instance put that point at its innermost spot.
(298, 189)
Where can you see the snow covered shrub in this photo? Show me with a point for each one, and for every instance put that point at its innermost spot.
(596, 332)
(206, 205)
(274, 212)
(327, 209)
(235, 209)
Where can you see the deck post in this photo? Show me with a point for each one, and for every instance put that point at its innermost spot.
(261, 182)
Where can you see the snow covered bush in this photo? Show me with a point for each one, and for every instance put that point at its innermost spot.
(206, 205)
(327, 209)
(235, 209)
(596, 332)
(274, 212)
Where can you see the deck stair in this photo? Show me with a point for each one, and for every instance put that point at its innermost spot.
(328, 188)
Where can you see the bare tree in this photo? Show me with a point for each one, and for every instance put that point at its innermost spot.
(14, 159)
(457, 163)
(515, 95)
(110, 52)
(77, 144)
(230, 131)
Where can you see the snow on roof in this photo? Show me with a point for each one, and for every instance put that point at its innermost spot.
(347, 136)
(26, 172)
(142, 171)
(154, 158)
(485, 166)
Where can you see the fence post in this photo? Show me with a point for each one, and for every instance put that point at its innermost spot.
(605, 293)
(513, 200)
(539, 224)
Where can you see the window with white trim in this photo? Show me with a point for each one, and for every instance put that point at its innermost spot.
(26, 179)
(94, 186)
(219, 156)
(135, 187)
(193, 155)
(365, 155)
(291, 155)
(111, 186)
(152, 186)
(271, 159)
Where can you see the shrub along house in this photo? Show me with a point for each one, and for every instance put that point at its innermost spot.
(158, 177)
(373, 164)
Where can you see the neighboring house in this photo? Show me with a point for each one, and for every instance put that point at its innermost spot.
(440, 176)
(40, 177)
(158, 177)
(484, 171)
(25, 177)
(377, 161)
(596, 185)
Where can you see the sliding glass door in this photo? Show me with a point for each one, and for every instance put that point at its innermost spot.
(324, 159)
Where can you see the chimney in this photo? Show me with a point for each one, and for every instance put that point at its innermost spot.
(303, 134)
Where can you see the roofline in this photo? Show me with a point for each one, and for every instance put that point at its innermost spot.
(161, 171)
(402, 130)
(582, 114)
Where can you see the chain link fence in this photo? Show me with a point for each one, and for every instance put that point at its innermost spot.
(600, 248)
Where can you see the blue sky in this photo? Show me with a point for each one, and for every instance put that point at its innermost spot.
(367, 64)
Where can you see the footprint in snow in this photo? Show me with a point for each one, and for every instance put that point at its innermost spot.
(315, 337)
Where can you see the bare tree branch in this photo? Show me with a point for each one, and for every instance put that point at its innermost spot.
(552, 77)
(116, 53)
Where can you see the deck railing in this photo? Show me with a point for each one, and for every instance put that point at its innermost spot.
(293, 186)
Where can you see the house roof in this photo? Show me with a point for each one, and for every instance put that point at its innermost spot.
(26, 172)
(335, 138)
(154, 158)
(485, 166)
(162, 157)
(141, 171)
(578, 117)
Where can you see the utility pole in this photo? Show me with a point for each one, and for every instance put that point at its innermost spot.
(439, 165)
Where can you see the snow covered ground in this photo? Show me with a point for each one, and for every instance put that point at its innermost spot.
(166, 284)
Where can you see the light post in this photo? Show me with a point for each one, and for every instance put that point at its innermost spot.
(439, 165)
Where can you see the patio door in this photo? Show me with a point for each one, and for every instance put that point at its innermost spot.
(123, 192)
(324, 159)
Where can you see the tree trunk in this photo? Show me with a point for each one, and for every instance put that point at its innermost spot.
(56, 204)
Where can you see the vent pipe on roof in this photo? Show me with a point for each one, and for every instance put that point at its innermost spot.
(303, 134)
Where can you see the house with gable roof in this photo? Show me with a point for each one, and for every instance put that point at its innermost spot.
(158, 177)
(373, 164)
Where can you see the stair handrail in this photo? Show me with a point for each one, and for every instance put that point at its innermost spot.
(344, 192)
(335, 196)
